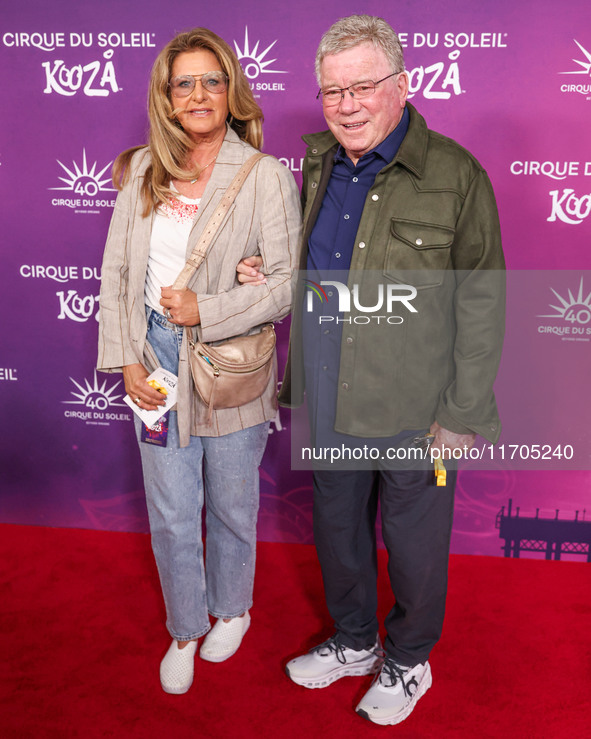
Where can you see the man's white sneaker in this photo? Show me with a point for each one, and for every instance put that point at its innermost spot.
(394, 693)
(330, 661)
(176, 669)
(224, 639)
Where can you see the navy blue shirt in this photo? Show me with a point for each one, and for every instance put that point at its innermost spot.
(330, 249)
(331, 243)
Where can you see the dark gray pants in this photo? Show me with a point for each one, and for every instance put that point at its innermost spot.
(416, 528)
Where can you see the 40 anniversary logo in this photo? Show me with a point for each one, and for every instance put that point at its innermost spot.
(573, 312)
(94, 400)
(584, 86)
(83, 182)
(254, 63)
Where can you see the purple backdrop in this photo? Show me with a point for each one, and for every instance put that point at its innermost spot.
(510, 81)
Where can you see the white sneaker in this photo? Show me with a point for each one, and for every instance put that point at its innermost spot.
(330, 661)
(394, 693)
(176, 669)
(224, 639)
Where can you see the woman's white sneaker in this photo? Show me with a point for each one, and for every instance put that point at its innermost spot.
(224, 639)
(177, 667)
(331, 661)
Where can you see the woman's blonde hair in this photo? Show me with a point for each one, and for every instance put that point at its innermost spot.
(169, 145)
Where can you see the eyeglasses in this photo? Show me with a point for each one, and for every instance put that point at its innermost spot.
(183, 85)
(334, 95)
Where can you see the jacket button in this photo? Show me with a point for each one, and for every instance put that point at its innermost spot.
(375, 197)
(314, 151)
(313, 185)
(362, 244)
(349, 339)
(345, 385)
(418, 242)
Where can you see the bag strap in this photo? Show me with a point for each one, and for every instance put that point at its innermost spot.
(200, 251)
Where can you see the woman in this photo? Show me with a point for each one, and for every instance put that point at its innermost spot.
(204, 123)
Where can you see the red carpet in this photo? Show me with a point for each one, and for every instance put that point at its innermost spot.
(81, 637)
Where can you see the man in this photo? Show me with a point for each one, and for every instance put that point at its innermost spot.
(384, 196)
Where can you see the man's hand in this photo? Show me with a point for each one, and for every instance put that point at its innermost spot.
(449, 440)
(181, 305)
(248, 271)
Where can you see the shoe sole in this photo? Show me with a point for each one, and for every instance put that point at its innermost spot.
(424, 686)
(223, 657)
(326, 680)
(176, 691)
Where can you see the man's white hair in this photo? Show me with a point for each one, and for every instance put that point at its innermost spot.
(361, 29)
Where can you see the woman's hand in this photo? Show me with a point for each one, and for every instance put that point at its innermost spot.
(248, 271)
(181, 305)
(134, 377)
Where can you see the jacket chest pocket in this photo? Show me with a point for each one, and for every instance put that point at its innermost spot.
(418, 253)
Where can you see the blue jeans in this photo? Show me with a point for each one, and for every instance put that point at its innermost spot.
(220, 471)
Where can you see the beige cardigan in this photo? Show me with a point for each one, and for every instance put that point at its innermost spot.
(265, 219)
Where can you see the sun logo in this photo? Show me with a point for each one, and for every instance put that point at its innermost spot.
(586, 66)
(574, 309)
(84, 181)
(94, 396)
(253, 61)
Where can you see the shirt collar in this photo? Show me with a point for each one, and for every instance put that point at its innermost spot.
(386, 150)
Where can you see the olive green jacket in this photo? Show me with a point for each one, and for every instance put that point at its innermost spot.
(430, 220)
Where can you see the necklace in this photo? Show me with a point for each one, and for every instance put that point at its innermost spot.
(204, 168)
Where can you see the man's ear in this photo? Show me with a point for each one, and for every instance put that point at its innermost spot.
(402, 86)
